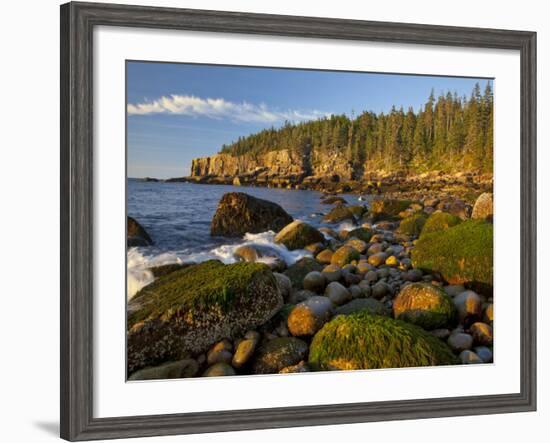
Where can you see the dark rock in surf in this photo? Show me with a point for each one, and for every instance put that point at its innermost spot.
(136, 234)
(239, 213)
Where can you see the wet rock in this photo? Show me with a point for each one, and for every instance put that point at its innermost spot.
(359, 245)
(244, 352)
(298, 234)
(220, 353)
(136, 234)
(238, 213)
(295, 369)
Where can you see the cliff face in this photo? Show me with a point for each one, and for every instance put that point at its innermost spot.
(282, 164)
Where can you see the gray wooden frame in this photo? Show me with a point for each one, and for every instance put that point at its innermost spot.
(77, 24)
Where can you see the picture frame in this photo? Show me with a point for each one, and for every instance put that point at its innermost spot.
(78, 21)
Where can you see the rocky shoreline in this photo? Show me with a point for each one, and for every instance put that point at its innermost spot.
(408, 283)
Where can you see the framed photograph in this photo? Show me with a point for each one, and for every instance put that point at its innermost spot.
(273, 221)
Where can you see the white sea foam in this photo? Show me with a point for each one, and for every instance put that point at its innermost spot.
(139, 262)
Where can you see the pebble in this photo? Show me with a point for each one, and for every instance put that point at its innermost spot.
(375, 248)
(469, 358)
(482, 333)
(488, 314)
(337, 293)
(324, 256)
(413, 275)
(377, 259)
(459, 341)
(379, 290)
(356, 291)
(468, 306)
(371, 276)
(332, 273)
(315, 282)
(244, 351)
(219, 369)
(299, 296)
(454, 290)
(484, 353)
(295, 369)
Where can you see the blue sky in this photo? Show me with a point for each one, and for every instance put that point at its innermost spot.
(177, 112)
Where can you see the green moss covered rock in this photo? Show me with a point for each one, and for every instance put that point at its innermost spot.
(344, 255)
(440, 221)
(341, 213)
(462, 254)
(297, 272)
(162, 270)
(297, 235)
(424, 305)
(413, 224)
(364, 341)
(388, 209)
(190, 309)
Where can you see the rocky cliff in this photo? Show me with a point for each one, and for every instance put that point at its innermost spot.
(281, 164)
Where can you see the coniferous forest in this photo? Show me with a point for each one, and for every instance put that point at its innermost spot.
(449, 133)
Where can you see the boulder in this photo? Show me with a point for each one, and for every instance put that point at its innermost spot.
(239, 213)
(364, 341)
(388, 209)
(424, 305)
(297, 272)
(279, 353)
(462, 254)
(190, 309)
(412, 225)
(344, 255)
(333, 200)
(309, 316)
(162, 270)
(483, 207)
(298, 235)
(342, 213)
(136, 234)
(174, 369)
(439, 221)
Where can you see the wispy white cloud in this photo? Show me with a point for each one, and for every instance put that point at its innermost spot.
(218, 108)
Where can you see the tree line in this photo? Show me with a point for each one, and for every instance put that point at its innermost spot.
(449, 133)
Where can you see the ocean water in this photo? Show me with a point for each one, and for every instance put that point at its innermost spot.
(177, 217)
